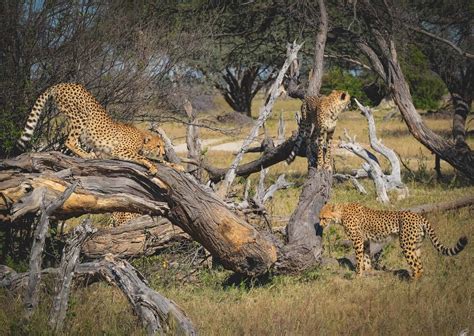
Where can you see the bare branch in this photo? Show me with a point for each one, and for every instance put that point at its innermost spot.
(445, 41)
(69, 260)
(36, 257)
(265, 112)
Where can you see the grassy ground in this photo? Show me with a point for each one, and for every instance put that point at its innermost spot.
(327, 300)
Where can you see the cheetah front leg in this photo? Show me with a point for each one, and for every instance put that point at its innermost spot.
(127, 155)
(362, 257)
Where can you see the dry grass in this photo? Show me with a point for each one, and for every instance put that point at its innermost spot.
(328, 300)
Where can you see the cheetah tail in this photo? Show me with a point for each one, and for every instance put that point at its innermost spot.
(296, 149)
(462, 242)
(33, 118)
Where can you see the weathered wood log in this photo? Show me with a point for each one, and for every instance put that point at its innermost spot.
(36, 255)
(142, 236)
(159, 315)
(371, 166)
(111, 185)
(69, 261)
(393, 181)
(304, 248)
(443, 206)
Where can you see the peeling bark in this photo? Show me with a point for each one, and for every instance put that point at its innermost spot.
(171, 194)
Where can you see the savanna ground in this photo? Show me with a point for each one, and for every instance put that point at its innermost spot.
(327, 300)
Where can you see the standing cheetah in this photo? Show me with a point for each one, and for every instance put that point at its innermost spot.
(363, 224)
(318, 121)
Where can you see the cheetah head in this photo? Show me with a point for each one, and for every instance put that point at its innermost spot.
(330, 213)
(341, 99)
(153, 146)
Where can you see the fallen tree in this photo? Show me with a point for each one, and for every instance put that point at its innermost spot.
(107, 186)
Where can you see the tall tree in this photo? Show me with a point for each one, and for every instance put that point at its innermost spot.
(380, 49)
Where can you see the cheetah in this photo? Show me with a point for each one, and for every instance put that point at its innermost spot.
(363, 224)
(318, 121)
(90, 125)
(120, 218)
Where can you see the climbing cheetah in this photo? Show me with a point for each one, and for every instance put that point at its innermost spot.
(318, 121)
(90, 125)
(363, 224)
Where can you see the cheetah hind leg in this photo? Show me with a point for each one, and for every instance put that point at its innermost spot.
(72, 143)
(412, 255)
(321, 144)
(327, 161)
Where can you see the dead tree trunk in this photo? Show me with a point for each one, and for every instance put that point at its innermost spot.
(108, 186)
(142, 236)
(383, 183)
(304, 248)
(158, 314)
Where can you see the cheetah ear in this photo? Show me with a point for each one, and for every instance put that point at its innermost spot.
(343, 96)
(147, 139)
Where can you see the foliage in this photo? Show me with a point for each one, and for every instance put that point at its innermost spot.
(426, 87)
(337, 78)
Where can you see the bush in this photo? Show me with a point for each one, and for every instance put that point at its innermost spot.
(426, 88)
(340, 79)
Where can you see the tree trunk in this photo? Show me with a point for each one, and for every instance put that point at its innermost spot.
(142, 236)
(108, 186)
(304, 247)
(241, 88)
(385, 62)
(320, 44)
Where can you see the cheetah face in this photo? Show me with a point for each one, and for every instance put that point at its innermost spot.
(153, 146)
(330, 213)
(341, 99)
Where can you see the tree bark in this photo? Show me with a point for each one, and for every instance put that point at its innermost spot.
(36, 256)
(180, 198)
(69, 260)
(320, 44)
(304, 248)
(142, 236)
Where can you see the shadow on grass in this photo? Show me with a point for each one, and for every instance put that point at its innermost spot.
(246, 282)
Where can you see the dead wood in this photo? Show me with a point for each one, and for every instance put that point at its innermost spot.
(159, 315)
(111, 185)
(36, 255)
(69, 261)
(443, 206)
(142, 236)
(270, 157)
(265, 112)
